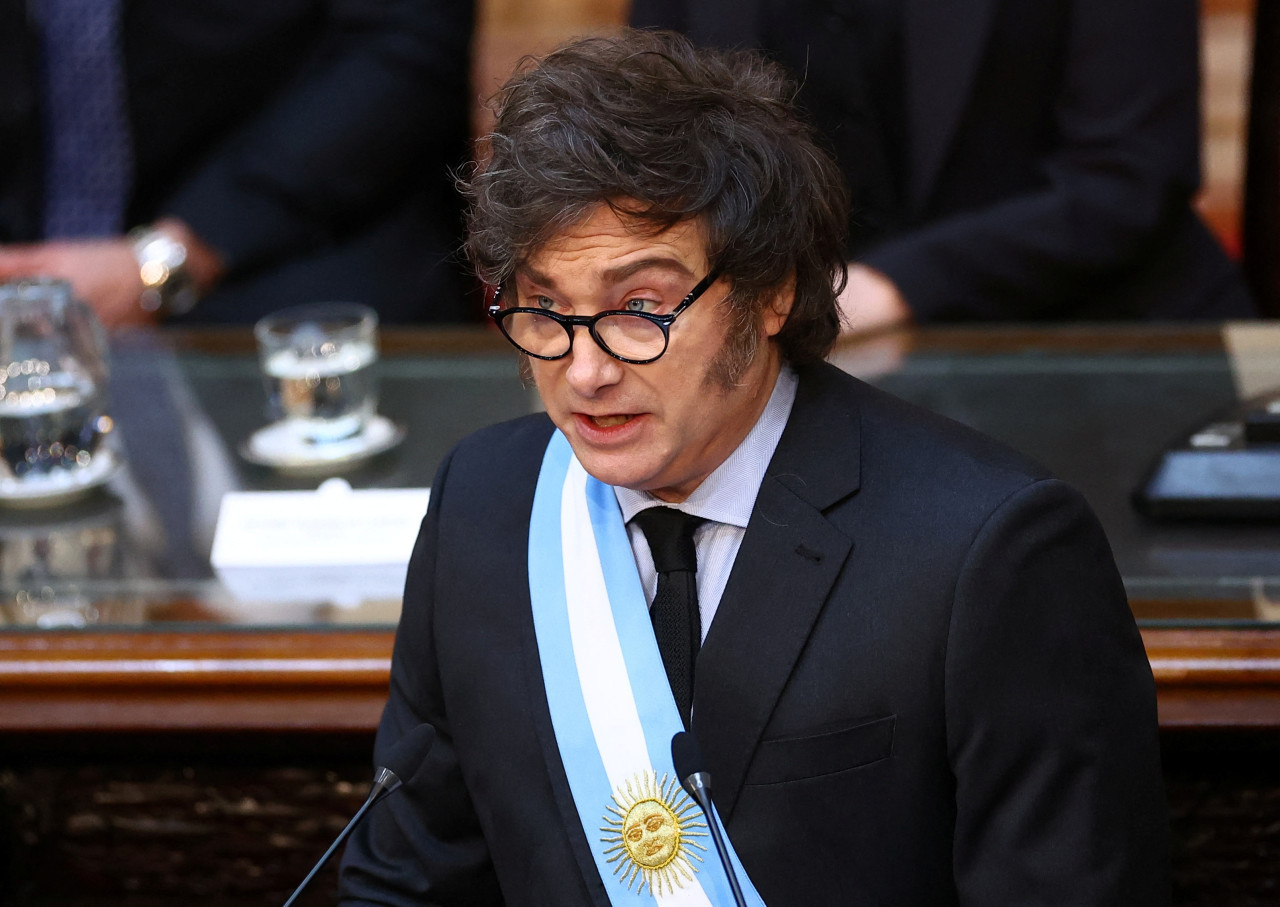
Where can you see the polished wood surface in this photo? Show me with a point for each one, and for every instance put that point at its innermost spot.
(206, 680)
(1216, 678)
(336, 680)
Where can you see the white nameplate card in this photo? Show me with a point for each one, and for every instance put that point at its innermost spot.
(333, 544)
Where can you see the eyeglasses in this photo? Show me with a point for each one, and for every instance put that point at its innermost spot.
(637, 338)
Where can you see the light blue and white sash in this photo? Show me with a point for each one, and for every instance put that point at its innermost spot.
(611, 705)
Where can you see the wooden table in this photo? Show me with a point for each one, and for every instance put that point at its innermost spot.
(1095, 404)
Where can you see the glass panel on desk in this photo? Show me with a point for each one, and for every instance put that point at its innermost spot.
(1096, 406)
(137, 552)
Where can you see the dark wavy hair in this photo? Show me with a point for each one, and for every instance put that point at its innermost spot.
(665, 132)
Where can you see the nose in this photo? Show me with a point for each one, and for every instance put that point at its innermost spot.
(591, 369)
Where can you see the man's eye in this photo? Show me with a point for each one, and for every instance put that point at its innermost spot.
(639, 305)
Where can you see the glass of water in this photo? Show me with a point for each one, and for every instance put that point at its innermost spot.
(53, 383)
(317, 362)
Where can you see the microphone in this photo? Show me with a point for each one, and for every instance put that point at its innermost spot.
(405, 756)
(697, 781)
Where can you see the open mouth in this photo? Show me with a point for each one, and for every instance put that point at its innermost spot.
(609, 421)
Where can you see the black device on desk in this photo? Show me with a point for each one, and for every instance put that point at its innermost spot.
(1228, 469)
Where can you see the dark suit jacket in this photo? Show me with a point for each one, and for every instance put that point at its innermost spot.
(308, 141)
(923, 684)
(1052, 150)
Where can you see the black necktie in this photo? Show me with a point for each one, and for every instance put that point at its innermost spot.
(676, 622)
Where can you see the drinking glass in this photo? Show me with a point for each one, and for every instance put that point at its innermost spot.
(317, 362)
(53, 384)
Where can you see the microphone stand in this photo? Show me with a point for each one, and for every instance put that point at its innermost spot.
(697, 781)
(383, 783)
(698, 785)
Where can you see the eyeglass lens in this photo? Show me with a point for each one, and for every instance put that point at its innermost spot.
(625, 335)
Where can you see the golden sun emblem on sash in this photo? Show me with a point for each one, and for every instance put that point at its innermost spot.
(649, 831)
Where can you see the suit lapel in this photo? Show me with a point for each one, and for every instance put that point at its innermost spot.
(943, 47)
(789, 559)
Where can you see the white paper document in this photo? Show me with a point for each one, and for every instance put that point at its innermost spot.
(333, 544)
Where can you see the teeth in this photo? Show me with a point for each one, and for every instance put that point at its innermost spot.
(609, 421)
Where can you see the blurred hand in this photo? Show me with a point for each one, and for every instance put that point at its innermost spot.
(871, 302)
(102, 272)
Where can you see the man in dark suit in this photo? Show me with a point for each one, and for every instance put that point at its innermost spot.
(1009, 160)
(267, 154)
(907, 655)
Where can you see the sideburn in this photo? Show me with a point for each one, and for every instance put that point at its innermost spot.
(741, 342)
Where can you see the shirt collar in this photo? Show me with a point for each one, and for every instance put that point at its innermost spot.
(729, 493)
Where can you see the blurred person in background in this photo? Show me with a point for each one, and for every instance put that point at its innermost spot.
(213, 162)
(1008, 160)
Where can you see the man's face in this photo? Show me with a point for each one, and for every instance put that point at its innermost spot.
(665, 426)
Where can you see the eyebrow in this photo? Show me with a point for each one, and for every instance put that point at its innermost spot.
(619, 272)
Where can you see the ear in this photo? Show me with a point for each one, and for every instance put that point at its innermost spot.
(778, 308)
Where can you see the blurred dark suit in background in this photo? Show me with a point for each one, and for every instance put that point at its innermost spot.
(309, 143)
(1009, 159)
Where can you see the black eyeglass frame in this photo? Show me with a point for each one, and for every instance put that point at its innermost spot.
(569, 322)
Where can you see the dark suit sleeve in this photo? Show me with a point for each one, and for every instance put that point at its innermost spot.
(1050, 711)
(1116, 184)
(337, 145)
(423, 844)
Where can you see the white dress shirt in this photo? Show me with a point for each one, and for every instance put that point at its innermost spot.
(724, 499)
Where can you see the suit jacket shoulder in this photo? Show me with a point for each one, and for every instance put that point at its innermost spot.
(851, 436)
(946, 627)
